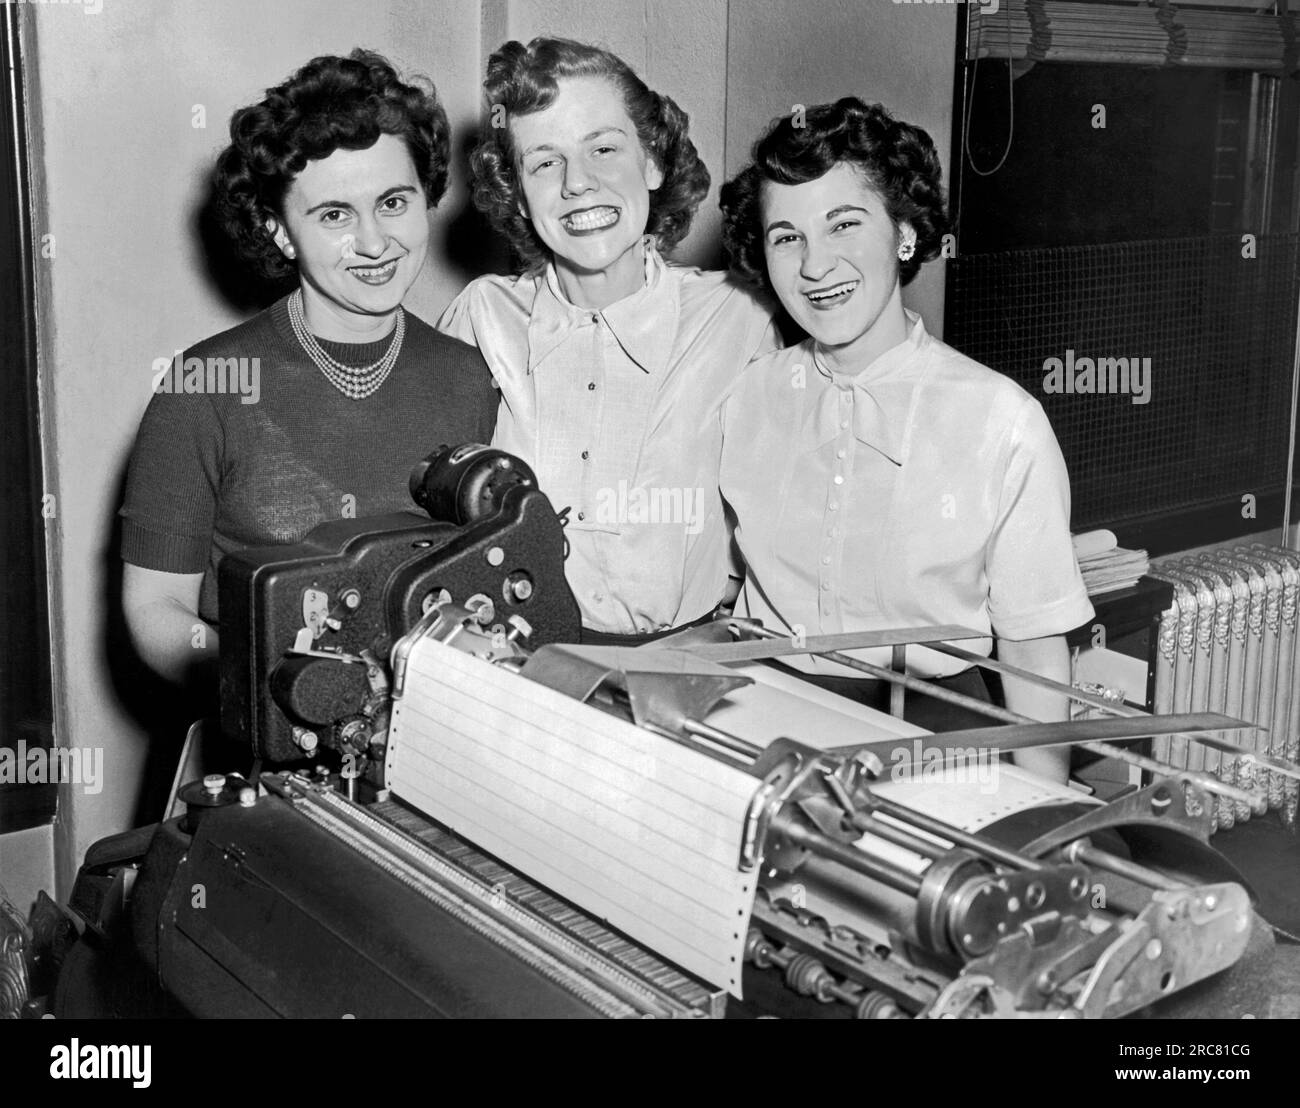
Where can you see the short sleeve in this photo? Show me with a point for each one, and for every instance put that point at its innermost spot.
(1035, 588)
(457, 319)
(173, 484)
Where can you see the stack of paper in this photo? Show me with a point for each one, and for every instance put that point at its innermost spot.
(1105, 565)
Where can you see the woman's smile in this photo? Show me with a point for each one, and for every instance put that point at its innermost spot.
(587, 221)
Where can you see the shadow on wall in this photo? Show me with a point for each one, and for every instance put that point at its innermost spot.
(226, 274)
(470, 247)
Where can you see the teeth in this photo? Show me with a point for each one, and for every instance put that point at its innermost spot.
(588, 220)
(374, 270)
(833, 291)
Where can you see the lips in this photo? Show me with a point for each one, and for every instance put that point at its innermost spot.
(831, 296)
(375, 274)
(590, 219)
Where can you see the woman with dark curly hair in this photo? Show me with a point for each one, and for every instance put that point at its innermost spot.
(880, 478)
(611, 362)
(316, 408)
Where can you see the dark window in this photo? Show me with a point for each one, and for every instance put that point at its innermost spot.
(1114, 229)
(25, 706)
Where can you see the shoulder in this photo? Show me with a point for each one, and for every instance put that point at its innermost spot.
(719, 288)
(246, 338)
(493, 295)
(976, 387)
(447, 348)
(772, 375)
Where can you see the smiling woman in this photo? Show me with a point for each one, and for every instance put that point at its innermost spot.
(327, 182)
(880, 478)
(612, 363)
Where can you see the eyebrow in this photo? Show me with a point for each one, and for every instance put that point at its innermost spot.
(585, 138)
(832, 214)
(396, 190)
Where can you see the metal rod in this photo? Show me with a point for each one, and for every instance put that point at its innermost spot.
(916, 684)
(954, 835)
(1101, 859)
(1207, 781)
(898, 836)
(1257, 802)
(1117, 708)
(851, 858)
(898, 663)
(722, 738)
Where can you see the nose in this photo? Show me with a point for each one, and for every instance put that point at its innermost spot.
(578, 177)
(816, 260)
(370, 240)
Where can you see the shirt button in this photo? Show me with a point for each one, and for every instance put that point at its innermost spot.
(844, 425)
(826, 585)
(834, 505)
(839, 453)
(585, 455)
(839, 478)
(826, 559)
(595, 318)
(591, 386)
(582, 515)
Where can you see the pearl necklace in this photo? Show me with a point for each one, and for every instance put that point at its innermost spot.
(354, 382)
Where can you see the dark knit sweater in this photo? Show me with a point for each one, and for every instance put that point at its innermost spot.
(210, 473)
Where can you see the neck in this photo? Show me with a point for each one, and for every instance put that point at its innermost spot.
(326, 320)
(599, 288)
(889, 329)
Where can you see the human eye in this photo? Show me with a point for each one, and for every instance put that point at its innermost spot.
(783, 238)
(605, 148)
(542, 165)
(395, 204)
(845, 224)
(332, 217)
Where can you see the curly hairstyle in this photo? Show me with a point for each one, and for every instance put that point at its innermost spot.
(331, 103)
(525, 79)
(897, 158)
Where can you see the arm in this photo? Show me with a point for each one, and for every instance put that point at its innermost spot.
(162, 615)
(1048, 657)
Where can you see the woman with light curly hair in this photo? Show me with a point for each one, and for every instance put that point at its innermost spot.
(880, 478)
(326, 187)
(612, 362)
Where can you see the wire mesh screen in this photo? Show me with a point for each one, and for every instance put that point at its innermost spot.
(1205, 330)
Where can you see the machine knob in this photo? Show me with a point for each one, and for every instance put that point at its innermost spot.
(466, 483)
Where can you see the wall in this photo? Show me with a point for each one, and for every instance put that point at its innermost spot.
(118, 166)
(781, 53)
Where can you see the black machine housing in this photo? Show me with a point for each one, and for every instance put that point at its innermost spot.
(306, 630)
